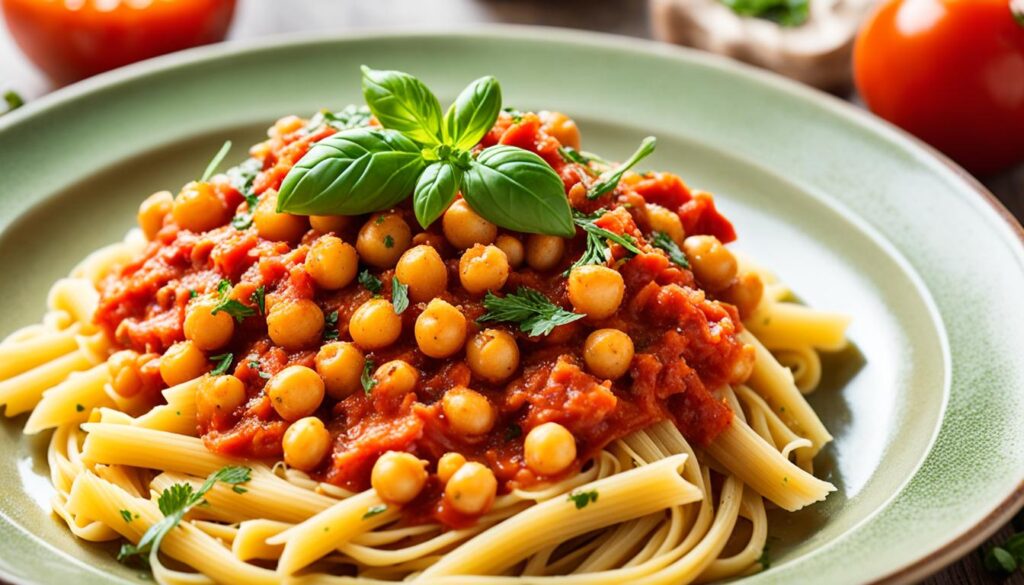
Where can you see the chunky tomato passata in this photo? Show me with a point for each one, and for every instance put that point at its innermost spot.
(685, 343)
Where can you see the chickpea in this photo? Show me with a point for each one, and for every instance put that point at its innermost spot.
(448, 464)
(332, 263)
(153, 211)
(295, 323)
(549, 449)
(198, 208)
(493, 355)
(279, 227)
(596, 290)
(440, 329)
(330, 223)
(712, 264)
(464, 228)
(221, 394)
(398, 477)
(125, 377)
(295, 392)
(513, 249)
(468, 412)
(395, 378)
(562, 127)
(383, 239)
(182, 362)
(206, 330)
(544, 252)
(305, 443)
(423, 271)
(608, 353)
(375, 325)
(340, 364)
(745, 292)
(666, 221)
(483, 268)
(471, 489)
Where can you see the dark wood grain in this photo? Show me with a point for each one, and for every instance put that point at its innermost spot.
(256, 18)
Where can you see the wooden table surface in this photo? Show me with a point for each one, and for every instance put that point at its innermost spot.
(256, 18)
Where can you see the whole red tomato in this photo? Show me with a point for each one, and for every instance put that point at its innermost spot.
(951, 72)
(73, 39)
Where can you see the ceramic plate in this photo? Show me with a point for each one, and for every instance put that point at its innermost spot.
(855, 216)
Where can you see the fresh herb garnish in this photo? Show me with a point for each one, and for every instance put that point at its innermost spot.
(127, 515)
(581, 499)
(331, 326)
(241, 178)
(223, 361)
(783, 12)
(174, 503)
(597, 250)
(517, 116)
(259, 297)
(192, 293)
(399, 295)
(1007, 557)
(533, 311)
(367, 379)
(389, 241)
(255, 366)
(611, 179)
(370, 282)
(361, 170)
(351, 116)
(230, 306)
(666, 243)
(13, 100)
(375, 510)
(215, 161)
(238, 489)
(764, 560)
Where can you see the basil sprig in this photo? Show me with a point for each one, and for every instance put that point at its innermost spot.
(419, 151)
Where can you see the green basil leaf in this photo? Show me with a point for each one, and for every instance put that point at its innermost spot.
(402, 102)
(516, 189)
(352, 172)
(435, 190)
(473, 113)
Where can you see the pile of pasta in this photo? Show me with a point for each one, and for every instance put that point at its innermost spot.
(667, 512)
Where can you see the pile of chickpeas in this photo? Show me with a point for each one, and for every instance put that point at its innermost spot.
(386, 241)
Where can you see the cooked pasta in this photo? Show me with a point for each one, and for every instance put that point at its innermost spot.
(265, 396)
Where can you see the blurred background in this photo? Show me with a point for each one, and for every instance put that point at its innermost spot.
(949, 71)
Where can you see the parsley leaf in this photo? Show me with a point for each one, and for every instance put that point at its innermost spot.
(517, 116)
(374, 510)
(230, 306)
(127, 515)
(597, 251)
(533, 311)
(399, 295)
(215, 161)
(351, 116)
(783, 12)
(223, 361)
(366, 379)
(370, 282)
(259, 296)
(241, 178)
(389, 241)
(611, 181)
(666, 243)
(13, 99)
(764, 560)
(581, 499)
(255, 365)
(331, 326)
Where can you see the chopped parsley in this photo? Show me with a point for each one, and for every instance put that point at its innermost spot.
(174, 503)
(666, 243)
(581, 499)
(223, 361)
(389, 242)
(370, 282)
(238, 489)
(128, 516)
(331, 326)
(367, 379)
(399, 295)
(597, 251)
(375, 510)
(533, 311)
(611, 181)
(255, 365)
(259, 297)
(517, 116)
(782, 12)
(764, 560)
(13, 99)
(241, 178)
(229, 305)
(192, 293)
(351, 116)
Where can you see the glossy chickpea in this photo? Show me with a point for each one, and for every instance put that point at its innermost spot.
(492, 355)
(332, 263)
(596, 290)
(666, 221)
(295, 323)
(125, 377)
(483, 268)
(383, 239)
(468, 412)
(208, 331)
(423, 271)
(608, 353)
(549, 449)
(375, 325)
(544, 252)
(712, 264)
(514, 250)
(182, 362)
(220, 394)
(295, 392)
(330, 223)
(305, 443)
(448, 464)
(471, 489)
(198, 208)
(562, 127)
(153, 211)
(278, 227)
(745, 292)
(464, 228)
(440, 329)
(398, 477)
(395, 378)
(340, 364)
